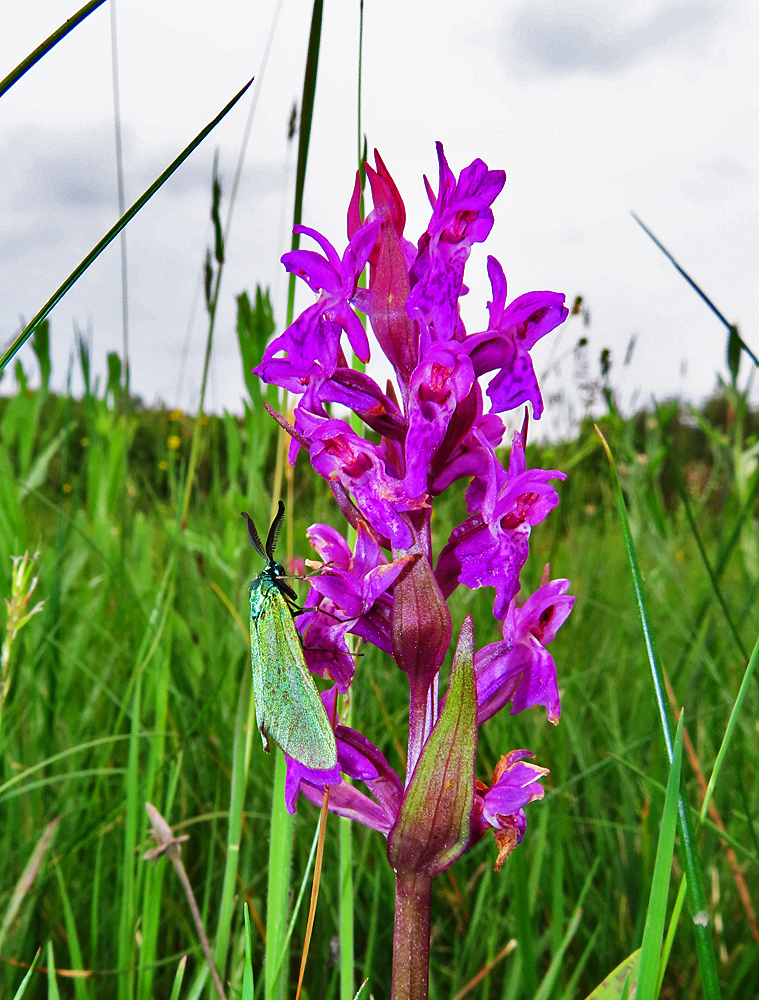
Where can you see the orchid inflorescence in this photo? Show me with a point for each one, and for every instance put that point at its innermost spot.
(433, 429)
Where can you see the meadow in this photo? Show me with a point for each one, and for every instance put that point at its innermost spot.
(131, 685)
(125, 681)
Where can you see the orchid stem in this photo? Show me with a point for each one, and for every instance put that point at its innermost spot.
(411, 937)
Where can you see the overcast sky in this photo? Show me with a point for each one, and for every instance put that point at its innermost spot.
(592, 108)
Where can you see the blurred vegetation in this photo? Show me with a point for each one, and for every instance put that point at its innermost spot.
(119, 695)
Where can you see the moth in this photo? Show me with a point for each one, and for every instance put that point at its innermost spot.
(288, 707)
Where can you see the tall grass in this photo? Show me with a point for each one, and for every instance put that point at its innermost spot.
(123, 692)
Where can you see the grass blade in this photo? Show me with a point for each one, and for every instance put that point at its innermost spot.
(25, 981)
(735, 338)
(546, 986)
(52, 984)
(81, 987)
(178, 978)
(112, 233)
(248, 986)
(126, 926)
(657, 903)
(298, 902)
(245, 726)
(691, 863)
(52, 40)
(28, 876)
(304, 138)
(280, 860)
(732, 721)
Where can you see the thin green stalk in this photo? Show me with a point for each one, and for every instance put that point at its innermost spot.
(95, 902)
(248, 984)
(196, 430)
(298, 902)
(371, 936)
(26, 881)
(112, 233)
(688, 853)
(26, 64)
(280, 860)
(657, 904)
(304, 138)
(524, 932)
(245, 727)
(347, 951)
(25, 981)
(52, 983)
(81, 986)
(677, 909)
(713, 579)
(345, 826)
(126, 923)
(153, 874)
(735, 339)
(731, 724)
(122, 205)
(360, 91)
(177, 987)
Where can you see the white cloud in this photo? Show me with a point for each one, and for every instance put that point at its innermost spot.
(562, 39)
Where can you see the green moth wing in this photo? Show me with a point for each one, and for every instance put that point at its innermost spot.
(289, 709)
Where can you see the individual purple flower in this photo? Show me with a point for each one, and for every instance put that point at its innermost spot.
(442, 380)
(313, 340)
(504, 347)
(470, 439)
(461, 216)
(501, 806)
(490, 548)
(343, 597)
(519, 669)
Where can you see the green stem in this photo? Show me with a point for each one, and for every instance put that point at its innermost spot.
(26, 64)
(304, 138)
(245, 726)
(195, 447)
(280, 859)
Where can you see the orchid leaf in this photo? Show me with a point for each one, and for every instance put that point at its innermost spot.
(434, 822)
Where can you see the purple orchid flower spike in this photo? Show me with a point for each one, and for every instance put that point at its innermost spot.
(428, 427)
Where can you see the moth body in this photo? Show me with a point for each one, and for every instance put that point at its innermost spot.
(289, 709)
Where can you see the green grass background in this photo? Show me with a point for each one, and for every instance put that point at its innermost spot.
(127, 688)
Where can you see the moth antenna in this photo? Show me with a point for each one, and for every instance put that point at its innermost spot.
(253, 535)
(273, 537)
